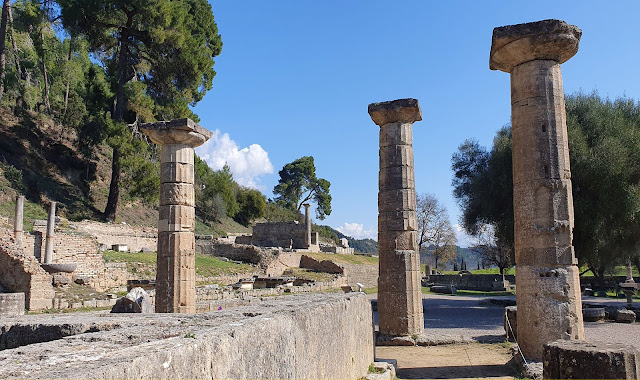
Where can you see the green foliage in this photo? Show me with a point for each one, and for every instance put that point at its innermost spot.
(325, 232)
(14, 176)
(604, 138)
(252, 205)
(276, 212)
(604, 141)
(298, 184)
(215, 192)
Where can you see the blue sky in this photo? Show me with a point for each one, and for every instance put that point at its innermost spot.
(295, 77)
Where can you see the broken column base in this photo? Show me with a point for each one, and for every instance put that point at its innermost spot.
(571, 359)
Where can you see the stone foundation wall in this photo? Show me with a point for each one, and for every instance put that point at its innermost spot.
(283, 338)
(284, 261)
(136, 238)
(73, 247)
(207, 245)
(20, 272)
(279, 234)
(364, 274)
(326, 266)
(481, 282)
(206, 294)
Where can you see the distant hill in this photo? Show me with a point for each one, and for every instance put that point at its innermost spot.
(359, 245)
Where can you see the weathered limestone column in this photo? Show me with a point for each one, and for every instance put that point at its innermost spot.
(548, 286)
(175, 278)
(307, 224)
(51, 224)
(399, 292)
(19, 220)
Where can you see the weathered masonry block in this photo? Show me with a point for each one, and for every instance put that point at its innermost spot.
(590, 360)
(312, 336)
(546, 267)
(399, 291)
(175, 278)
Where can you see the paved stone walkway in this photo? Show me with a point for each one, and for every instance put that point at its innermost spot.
(463, 319)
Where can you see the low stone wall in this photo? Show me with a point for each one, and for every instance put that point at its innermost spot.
(204, 294)
(282, 338)
(326, 266)
(207, 245)
(282, 262)
(480, 282)
(73, 247)
(359, 273)
(12, 303)
(279, 234)
(136, 238)
(21, 273)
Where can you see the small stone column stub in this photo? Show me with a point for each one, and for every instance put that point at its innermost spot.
(547, 274)
(307, 224)
(175, 278)
(18, 223)
(51, 225)
(399, 291)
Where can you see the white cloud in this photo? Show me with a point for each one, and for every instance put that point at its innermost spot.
(464, 240)
(357, 231)
(246, 164)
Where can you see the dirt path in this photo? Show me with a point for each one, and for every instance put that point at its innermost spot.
(454, 361)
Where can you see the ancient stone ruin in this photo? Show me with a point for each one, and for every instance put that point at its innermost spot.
(548, 296)
(176, 271)
(399, 289)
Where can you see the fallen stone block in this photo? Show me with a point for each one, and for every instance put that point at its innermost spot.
(443, 289)
(12, 303)
(593, 314)
(395, 341)
(625, 316)
(381, 371)
(60, 280)
(81, 280)
(576, 359)
(136, 301)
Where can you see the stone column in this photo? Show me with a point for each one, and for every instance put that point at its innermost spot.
(399, 291)
(51, 224)
(307, 224)
(175, 278)
(19, 218)
(547, 276)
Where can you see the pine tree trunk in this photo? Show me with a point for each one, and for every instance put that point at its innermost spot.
(3, 35)
(45, 98)
(114, 188)
(118, 115)
(14, 47)
(66, 93)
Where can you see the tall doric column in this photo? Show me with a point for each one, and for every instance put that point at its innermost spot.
(176, 274)
(307, 224)
(547, 276)
(51, 225)
(399, 292)
(19, 220)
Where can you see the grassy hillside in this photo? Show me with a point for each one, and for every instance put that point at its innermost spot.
(40, 160)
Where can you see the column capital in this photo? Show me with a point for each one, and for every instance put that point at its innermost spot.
(395, 111)
(513, 45)
(179, 131)
(306, 205)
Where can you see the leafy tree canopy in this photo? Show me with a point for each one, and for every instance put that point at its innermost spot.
(604, 142)
(298, 184)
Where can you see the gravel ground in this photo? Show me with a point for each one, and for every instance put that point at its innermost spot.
(463, 319)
